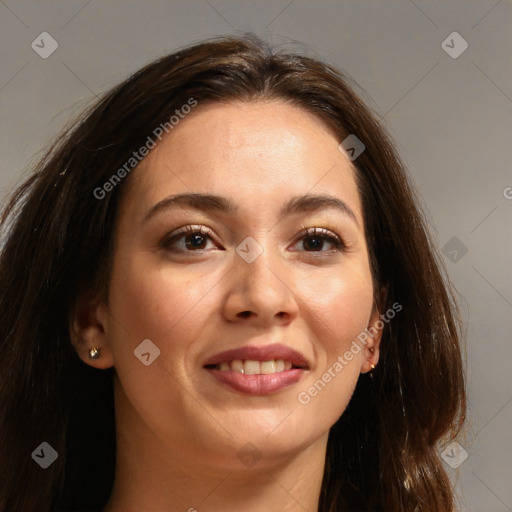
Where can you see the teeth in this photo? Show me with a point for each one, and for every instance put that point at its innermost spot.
(237, 366)
(268, 367)
(251, 367)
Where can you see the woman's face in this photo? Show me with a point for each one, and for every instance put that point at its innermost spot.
(244, 278)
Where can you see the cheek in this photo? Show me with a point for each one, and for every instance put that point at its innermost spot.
(170, 308)
(167, 307)
(340, 313)
(340, 304)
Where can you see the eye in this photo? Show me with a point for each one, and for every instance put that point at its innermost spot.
(314, 240)
(187, 239)
(196, 238)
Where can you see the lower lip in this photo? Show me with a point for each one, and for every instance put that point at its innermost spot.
(258, 384)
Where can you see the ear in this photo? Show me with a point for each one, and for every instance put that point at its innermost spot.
(376, 324)
(88, 327)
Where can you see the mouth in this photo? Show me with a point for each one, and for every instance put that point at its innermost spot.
(254, 367)
(258, 370)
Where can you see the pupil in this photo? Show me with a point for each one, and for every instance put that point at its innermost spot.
(196, 243)
(313, 243)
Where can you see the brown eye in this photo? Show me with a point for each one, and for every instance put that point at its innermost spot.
(187, 239)
(195, 241)
(315, 239)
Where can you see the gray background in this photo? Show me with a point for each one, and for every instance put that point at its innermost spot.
(450, 118)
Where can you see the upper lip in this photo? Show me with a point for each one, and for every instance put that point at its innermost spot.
(263, 353)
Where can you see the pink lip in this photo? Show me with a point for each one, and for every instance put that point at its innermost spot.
(258, 384)
(266, 353)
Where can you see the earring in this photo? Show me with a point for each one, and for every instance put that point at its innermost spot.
(94, 353)
(371, 371)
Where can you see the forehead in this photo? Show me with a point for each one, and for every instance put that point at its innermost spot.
(255, 152)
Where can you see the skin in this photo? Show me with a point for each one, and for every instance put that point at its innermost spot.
(179, 430)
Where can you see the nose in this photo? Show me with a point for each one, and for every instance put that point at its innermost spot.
(261, 293)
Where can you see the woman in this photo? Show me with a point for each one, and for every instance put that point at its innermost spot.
(226, 251)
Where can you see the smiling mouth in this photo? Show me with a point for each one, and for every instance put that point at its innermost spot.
(254, 367)
(254, 370)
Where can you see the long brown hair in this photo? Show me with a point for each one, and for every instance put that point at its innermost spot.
(383, 453)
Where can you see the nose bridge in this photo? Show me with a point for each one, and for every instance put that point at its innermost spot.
(261, 281)
(262, 273)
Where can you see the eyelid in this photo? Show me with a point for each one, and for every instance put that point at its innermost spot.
(325, 233)
(191, 228)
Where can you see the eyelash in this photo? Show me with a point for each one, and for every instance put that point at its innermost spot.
(324, 234)
(321, 233)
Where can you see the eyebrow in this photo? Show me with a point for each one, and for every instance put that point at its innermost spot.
(220, 204)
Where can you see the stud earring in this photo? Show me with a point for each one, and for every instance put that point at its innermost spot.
(94, 353)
